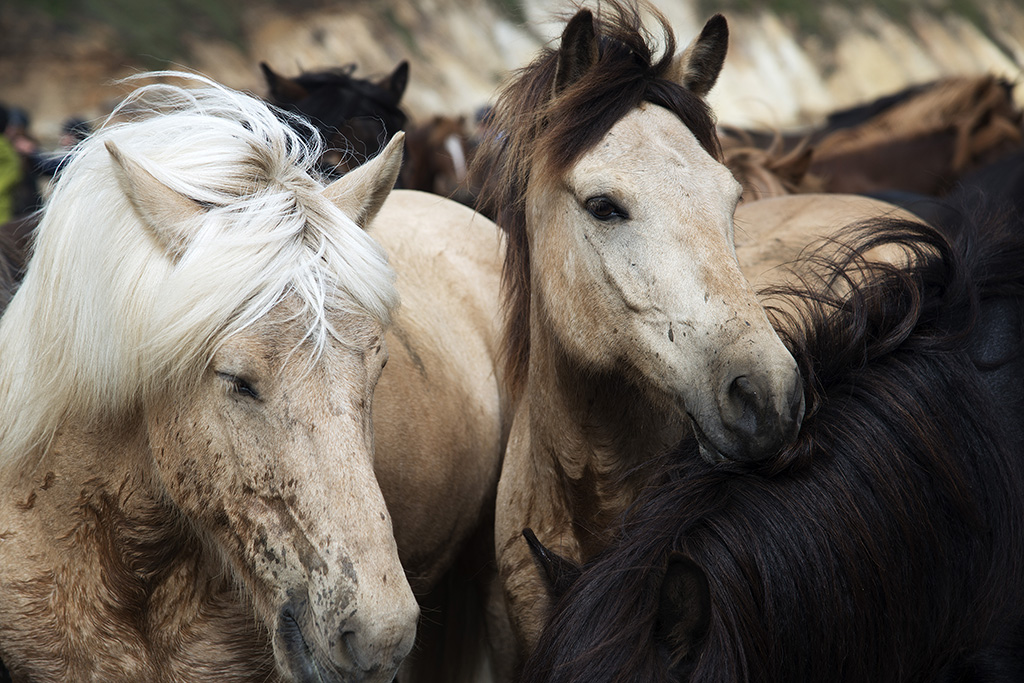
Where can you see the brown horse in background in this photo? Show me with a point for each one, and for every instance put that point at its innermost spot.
(923, 143)
(356, 116)
(438, 155)
(771, 171)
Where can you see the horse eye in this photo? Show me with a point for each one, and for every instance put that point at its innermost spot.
(604, 209)
(239, 385)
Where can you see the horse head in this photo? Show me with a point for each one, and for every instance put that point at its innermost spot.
(354, 115)
(627, 223)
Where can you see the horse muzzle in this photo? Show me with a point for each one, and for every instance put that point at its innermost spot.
(756, 418)
(355, 655)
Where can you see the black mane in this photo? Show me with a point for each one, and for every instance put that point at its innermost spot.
(887, 544)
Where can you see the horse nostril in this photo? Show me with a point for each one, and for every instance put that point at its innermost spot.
(743, 406)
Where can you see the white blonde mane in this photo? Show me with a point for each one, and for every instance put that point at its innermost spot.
(106, 315)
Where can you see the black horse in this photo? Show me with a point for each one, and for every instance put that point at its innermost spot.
(886, 545)
(356, 116)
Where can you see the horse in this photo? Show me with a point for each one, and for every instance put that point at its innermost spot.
(441, 420)
(356, 116)
(186, 381)
(925, 142)
(608, 179)
(885, 544)
(773, 234)
(772, 171)
(437, 158)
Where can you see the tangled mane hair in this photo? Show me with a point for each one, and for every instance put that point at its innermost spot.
(537, 135)
(108, 314)
(886, 543)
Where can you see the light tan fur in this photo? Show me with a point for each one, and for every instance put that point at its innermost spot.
(772, 233)
(439, 412)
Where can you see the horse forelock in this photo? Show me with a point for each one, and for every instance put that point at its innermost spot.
(106, 315)
(537, 136)
(876, 487)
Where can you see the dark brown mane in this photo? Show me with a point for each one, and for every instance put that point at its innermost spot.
(535, 132)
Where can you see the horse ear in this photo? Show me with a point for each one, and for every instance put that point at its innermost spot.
(282, 90)
(397, 82)
(560, 572)
(698, 66)
(577, 52)
(361, 192)
(162, 210)
(684, 609)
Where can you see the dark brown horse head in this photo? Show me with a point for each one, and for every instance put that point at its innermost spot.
(355, 116)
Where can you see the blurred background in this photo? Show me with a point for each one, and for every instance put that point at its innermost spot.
(789, 63)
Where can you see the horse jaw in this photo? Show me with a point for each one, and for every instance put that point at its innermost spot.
(658, 295)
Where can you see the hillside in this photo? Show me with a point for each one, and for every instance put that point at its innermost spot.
(789, 62)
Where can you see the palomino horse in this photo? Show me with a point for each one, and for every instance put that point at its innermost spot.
(628, 317)
(186, 376)
(884, 545)
(441, 418)
(355, 115)
(772, 234)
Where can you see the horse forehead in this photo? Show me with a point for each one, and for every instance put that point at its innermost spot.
(650, 143)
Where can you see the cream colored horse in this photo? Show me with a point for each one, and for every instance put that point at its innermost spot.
(186, 378)
(441, 418)
(630, 320)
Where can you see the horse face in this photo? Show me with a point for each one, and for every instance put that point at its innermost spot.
(272, 460)
(633, 255)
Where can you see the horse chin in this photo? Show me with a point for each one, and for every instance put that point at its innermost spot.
(707, 449)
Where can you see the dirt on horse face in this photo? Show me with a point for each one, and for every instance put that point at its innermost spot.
(187, 380)
(628, 318)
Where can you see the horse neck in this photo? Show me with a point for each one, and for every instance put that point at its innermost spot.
(94, 494)
(596, 430)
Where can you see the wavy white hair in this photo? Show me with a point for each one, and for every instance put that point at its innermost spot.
(106, 314)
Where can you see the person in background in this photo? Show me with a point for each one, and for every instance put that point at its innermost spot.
(38, 165)
(10, 171)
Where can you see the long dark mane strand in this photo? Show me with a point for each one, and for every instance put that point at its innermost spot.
(536, 136)
(887, 543)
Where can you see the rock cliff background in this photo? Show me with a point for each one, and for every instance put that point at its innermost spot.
(790, 61)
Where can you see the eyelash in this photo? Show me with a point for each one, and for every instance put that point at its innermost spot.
(239, 385)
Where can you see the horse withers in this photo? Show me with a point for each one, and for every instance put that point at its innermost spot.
(628, 317)
(885, 544)
(186, 378)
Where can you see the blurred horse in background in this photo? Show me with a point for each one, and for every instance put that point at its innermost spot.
(356, 116)
(923, 142)
(438, 155)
